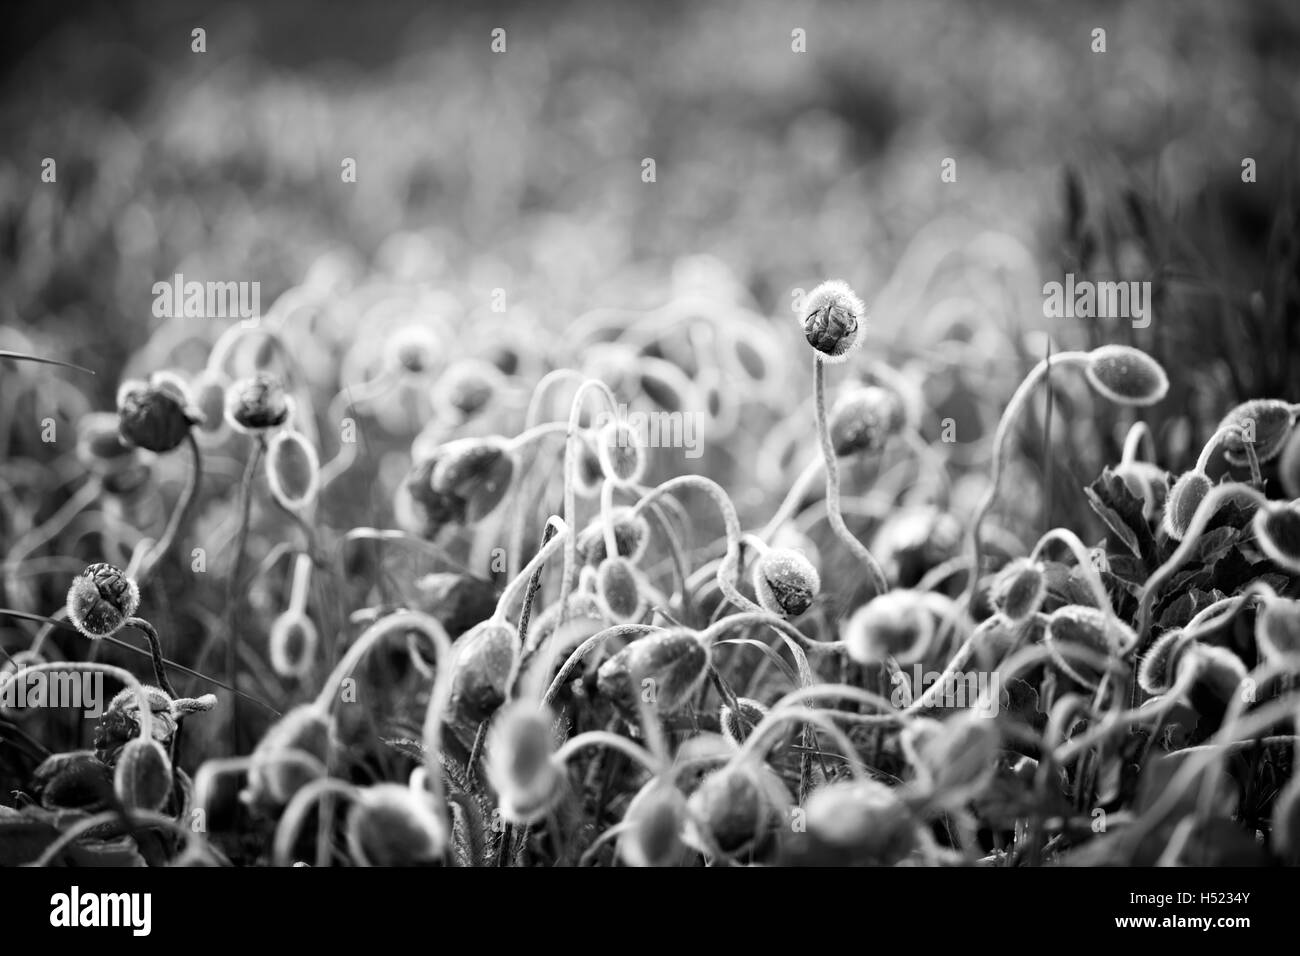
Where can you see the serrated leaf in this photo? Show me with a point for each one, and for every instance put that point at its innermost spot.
(1121, 511)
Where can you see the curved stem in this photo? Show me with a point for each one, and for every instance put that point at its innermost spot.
(181, 513)
(155, 651)
(604, 738)
(295, 813)
(788, 713)
(82, 827)
(875, 576)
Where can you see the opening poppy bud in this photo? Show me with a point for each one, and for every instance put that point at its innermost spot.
(954, 759)
(1184, 498)
(143, 778)
(833, 317)
(1277, 632)
(785, 582)
(739, 808)
(1160, 664)
(622, 457)
(292, 469)
(413, 348)
(519, 765)
(121, 719)
(273, 781)
(257, 403)
(1126, 375)
(664, 669)
(1267, 422)
(210, 400)
(862, 419)
(293, 643)
(100, 600)
(1019, 588)
(155, 415)
(486, 657)
(1089, 629)
(631, 537)
(862, 819)
(1277, 529)
(653, 826)
(739, 722)
(466, 388)
(618, 587)
(1285, 835)
(894, 624)
(393, 825)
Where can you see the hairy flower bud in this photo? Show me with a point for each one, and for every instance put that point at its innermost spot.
(652, 826)
(257, 403)
(894, 624)
(101, 599)
(519, 765)
(631, 537)
(618, 587)
(1159, 665)
(1277, 632)
(832, 322)
(785, 582)
(484, 660)
(462, 482)
(954, 759)
(739, 722)
(1087, 629)
(1184, 498)
(143, 777)
(155, 415)
(1277, 530)
(739, 809)
(393, 825)
(862, 820)
(1019, 588)
(622, 458)
(663, 669)
(862, 418)
(1267, 421)
(1126, 375)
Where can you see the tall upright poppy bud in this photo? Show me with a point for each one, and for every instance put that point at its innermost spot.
(142, 779)
(832, 320)
(393, 825)
(1019, 588)
(1277, 529)
(292, 469)
(894, 624)
(618, 588)
(663, 669)
(785, 582)
(1126, 375)
(652, 826)
(257, 403)
(101, 599)
(485, 658)
(519, 765)
(1267, 421)
(155, 415)
(862, 418)
(1182, 501)
(862, 820)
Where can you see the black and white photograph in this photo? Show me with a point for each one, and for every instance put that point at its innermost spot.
(608, 435)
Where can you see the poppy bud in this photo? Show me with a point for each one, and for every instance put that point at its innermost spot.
(143, 778)
(121, 719)
(1126, 375)
(519, 765)
(631, 537)
(273, 781)
(652, 826)
(293, 643)
(862, 819)
(738, 808)
(833, 317)
(461, 483)
(894, 624)
(739, 723)
(1219, 672)
(257, 403)
(618, 588)
(1160, 664)
(393, 825)
(413, 348)
(1288, 466)
(663, 669)
(155, 415)
(292, 469)
(77, 780)
(1277, 632)
(1277, 529)
(1090, 629)
(1019, 588)
(785, 582)
(485, 658)
(210, 400)
(1268, 420)
(464, 389)
(101, 599)
(954, 759)
(458, 601)
(622, 458)
(1184, 498)
(862, 419)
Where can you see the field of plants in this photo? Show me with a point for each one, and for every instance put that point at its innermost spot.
(634, 440)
